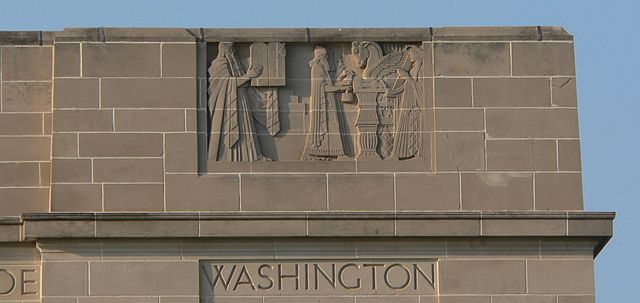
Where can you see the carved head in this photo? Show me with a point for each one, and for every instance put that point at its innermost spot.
(225, 48)
(360, 51)
(321, 57)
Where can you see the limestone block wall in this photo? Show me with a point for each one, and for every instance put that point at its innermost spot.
(504, 121)
(26, 73)
(467, 270)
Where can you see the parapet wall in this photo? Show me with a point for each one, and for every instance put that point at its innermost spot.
(498, 126)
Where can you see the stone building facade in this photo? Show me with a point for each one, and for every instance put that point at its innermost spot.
(293, 165)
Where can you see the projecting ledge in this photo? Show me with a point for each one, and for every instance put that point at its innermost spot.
(578, 224)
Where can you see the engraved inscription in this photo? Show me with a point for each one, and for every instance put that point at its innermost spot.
(299, 278)
(19, 282)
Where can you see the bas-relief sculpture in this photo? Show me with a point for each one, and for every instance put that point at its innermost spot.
(381, 82)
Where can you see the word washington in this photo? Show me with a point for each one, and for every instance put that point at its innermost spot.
(288, 277)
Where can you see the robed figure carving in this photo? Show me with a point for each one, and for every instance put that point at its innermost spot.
(326, 129)
(407, 130)
(232, 109)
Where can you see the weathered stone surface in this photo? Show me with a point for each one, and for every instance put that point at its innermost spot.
(362, 191)
(511, 92)
(453, 92)
(120, 145)
(569, 155)
(490, 33)
(121, 59)
(543, 59)
(15, 201)
(26, 96)
(65, 279)
(83, 120)
(471, 59)
(127, 170)
(76, 197)
(524, 227)
(65, 145)
(25, 148)
(560, 276)
(521, 155)
(189, 192)
(559, 191)
(133, 197)
(563, 90)
(76, 93)
(19, 174)
(482, 277)
(21, 124)
(149, 120)
(263, 228)
(459, 120)
(274, 192)
(144, 278)
(149, 93)
(67, 60)
(483, 191)
(26, 63)
(71, 171)
(532, 123)
(181, 152)
(178, 60)
(460, 151)
(428, 191)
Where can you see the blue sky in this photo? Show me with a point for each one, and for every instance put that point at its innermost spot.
(607, 49)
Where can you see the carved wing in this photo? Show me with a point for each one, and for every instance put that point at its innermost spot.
(387, 65)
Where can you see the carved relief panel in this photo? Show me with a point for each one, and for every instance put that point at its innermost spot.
(298, 102)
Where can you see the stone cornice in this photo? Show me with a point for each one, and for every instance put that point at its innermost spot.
(537, 224)
(313, 35)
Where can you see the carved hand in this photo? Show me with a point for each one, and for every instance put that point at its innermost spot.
(254, 71)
